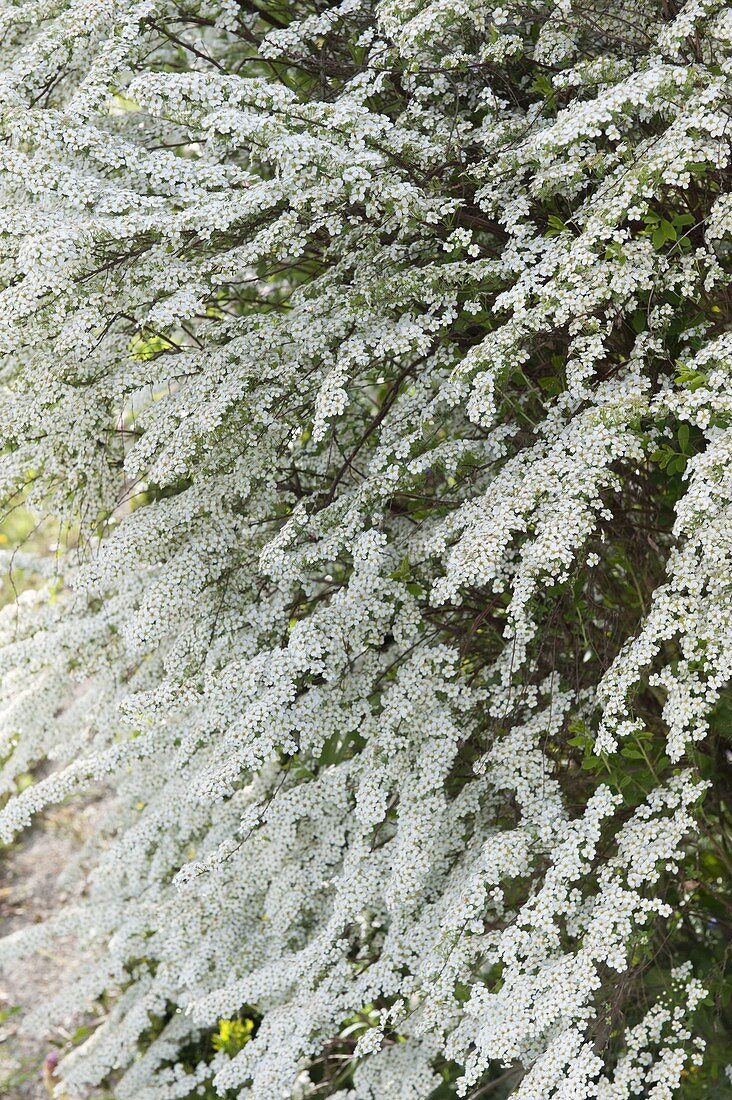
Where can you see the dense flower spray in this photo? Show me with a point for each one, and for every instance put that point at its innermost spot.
(374, 359)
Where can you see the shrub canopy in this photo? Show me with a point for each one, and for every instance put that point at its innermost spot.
(374, 360)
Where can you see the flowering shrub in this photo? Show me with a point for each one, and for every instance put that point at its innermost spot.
(375, 361)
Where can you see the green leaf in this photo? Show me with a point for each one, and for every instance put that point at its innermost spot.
(682, 220)
(639, 320)
(690, 379)
(551, 385)
(556, 224)
(232, 1035)
(662, 456)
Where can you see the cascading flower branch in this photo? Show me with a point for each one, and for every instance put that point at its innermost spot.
(374, 360)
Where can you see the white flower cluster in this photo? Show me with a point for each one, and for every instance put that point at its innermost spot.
(346, 351)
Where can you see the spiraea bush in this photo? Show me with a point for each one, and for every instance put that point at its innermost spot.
(374, 361)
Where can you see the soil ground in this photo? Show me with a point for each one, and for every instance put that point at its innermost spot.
(30, 892)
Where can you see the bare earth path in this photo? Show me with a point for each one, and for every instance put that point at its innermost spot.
(30, 892)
